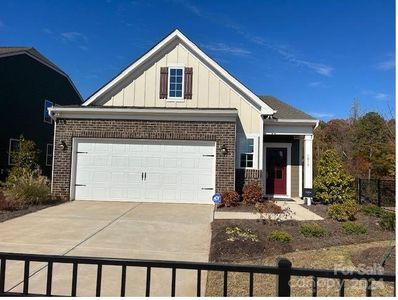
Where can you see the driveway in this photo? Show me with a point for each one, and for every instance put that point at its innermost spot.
(110, 229)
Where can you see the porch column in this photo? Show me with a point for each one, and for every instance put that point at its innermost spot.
(308, 165)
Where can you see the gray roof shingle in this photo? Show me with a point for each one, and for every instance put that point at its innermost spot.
(284, 110)
(6, 51)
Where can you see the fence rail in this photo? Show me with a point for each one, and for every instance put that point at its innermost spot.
(380, 192)
(283, 271)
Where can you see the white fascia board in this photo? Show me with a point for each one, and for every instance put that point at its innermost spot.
(229, 115)
(264, 108)
(292, 122)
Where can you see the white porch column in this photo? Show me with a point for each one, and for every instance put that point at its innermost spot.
(308, 165)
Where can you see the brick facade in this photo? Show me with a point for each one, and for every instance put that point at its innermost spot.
(223, 133)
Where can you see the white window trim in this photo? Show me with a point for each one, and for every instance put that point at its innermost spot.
(52, 153)
(255, 138)
(44, 117)
(9, 150)
(288, 146)
(176, 99)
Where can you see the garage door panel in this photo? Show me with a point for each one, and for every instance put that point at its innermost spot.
(175, 171)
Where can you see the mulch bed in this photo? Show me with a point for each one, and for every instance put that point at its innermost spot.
(223, 250)
(317, 208)
(375, 256)
(240, 207)
(11, 214)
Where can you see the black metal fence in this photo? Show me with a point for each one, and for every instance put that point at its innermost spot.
(380, 192)
(284, 271)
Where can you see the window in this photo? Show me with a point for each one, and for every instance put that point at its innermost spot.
(47, 105)
(49, 155)
(176, 83)
(12, 147)
(246, 150)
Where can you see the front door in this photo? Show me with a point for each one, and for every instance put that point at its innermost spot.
(276, 161)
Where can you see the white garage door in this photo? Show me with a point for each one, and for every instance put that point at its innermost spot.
(152, 171)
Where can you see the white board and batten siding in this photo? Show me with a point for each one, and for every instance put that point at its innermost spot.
(208, 89)
(144, 171)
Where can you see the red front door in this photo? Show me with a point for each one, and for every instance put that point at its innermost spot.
(276, 161)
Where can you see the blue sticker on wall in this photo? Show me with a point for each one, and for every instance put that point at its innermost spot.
(217, 198)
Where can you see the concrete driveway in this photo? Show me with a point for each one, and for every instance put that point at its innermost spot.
(110, 229)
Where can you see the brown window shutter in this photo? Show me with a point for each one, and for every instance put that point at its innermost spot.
(188, 83)
(164, 71)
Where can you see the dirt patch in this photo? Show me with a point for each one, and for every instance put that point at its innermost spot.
(318, 209)
(223, 250)
(375, 256)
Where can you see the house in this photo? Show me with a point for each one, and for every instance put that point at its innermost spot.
(29, 84)
(174, 126)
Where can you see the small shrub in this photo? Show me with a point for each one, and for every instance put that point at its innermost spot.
(354, 228)
(236, 233)
(343, 212)
(229, 198)
(30, 189)
(387, 220)
(313, 230)
(280, 236)
(372, 210)
(252, 193)
(8, 205)
(268, 207)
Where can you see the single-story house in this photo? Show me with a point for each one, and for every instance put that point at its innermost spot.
(174, 126)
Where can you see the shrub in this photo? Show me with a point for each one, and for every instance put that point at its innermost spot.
(252, 193)
(268, 207)
(236, 233)
(354, 228)
(372, 210)
(30, 189)
(332, 183)
(25, 161)
(343, 212)
(314, 230)
(280, 236)
(229, 198)
(387, 220)
(8, 205)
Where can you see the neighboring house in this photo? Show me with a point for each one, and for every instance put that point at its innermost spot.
(176, 127)
(29, 84)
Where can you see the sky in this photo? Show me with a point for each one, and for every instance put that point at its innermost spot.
(315, 55)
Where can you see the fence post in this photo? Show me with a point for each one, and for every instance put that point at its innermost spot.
(378, 193)
(283, 284)
(359, 191)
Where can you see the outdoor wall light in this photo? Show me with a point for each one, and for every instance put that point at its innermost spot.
(63, 146)
(224, 150)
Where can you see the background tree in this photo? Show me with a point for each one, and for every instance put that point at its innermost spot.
(372, 141)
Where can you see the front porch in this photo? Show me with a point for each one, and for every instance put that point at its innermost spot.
(287, 159)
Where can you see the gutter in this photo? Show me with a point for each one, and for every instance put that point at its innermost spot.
(172, 114)
(313, 123)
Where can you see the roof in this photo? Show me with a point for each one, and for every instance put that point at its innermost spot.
(284, 110)
(32, 52)
(173, 36)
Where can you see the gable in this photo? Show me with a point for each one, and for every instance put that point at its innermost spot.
(175, 49)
